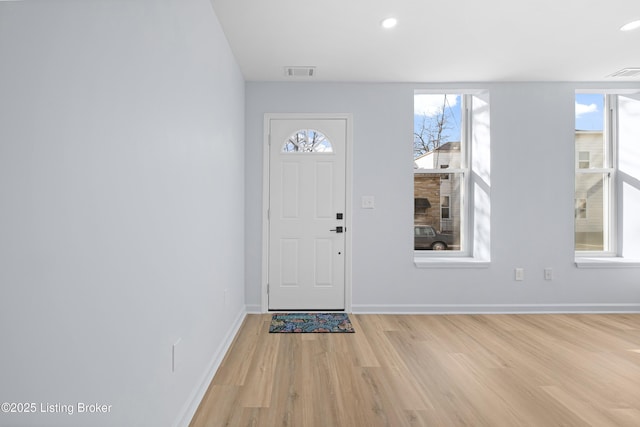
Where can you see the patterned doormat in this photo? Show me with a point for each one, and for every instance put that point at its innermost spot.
(310, 322)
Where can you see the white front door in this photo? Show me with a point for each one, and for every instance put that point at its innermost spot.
(307, 200)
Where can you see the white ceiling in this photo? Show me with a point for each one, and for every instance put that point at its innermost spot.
(435, 41)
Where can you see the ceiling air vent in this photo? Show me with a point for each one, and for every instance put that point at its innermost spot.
(299, 71)
(627, 72)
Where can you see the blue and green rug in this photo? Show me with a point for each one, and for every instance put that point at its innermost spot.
(310, 322)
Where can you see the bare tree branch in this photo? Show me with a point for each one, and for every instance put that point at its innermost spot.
(432, 133)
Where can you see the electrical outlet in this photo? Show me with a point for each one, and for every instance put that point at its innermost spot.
(519, 274)
(175, 352)
(548, 274)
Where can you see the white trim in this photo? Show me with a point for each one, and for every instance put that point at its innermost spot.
(611, 159)
(349, 212)
(494, 308)
(606, 255)
(449, 262)
(254, 309)
(445, 171)
(466, 191)
(595, 171)
(606, 262)
(608, 91)
(348, 117)
(191, 406)
(451, 90)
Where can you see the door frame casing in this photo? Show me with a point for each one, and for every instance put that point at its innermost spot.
(266, 170)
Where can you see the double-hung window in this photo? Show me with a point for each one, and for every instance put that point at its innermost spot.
(607, 173)
(451, 177)
(595, 174)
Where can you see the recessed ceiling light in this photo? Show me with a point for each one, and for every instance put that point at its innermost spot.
(630, 26)
(389, 23)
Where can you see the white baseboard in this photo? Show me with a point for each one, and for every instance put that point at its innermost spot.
(196, 397)
(492, 308)
(254, 309)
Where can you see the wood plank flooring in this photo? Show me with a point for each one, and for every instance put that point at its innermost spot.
(441, 370)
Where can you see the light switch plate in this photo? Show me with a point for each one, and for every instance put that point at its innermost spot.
(368, 202)
(175, 358)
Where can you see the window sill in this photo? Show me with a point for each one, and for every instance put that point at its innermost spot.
(607, 262)
(451, 262)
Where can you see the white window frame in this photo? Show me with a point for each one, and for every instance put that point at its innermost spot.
(609, 172)
(623, 128)
(476, 191)
(464, 173)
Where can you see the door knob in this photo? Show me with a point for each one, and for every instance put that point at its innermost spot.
(338, 229)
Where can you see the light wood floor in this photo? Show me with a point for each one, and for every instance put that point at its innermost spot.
(463, 370)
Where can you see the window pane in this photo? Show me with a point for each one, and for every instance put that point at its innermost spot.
(437, 147)
(437, 131)
(307, 141)
(438, 220)
(590, 211)
(590, 143)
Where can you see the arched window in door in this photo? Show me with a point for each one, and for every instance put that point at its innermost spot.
(307, 141)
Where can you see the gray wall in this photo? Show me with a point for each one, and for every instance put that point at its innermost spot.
(121, 218)
(532, 202)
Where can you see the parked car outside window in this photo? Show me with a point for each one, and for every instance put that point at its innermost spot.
(427, 237)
